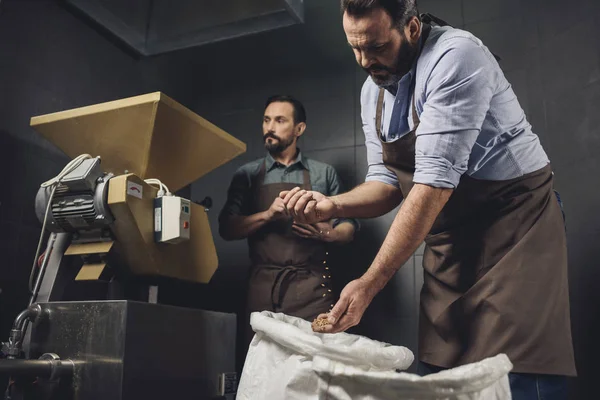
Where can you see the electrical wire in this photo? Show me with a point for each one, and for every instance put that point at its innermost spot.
(53, 183)
(70, 167)
(40, 241)
(163, 189)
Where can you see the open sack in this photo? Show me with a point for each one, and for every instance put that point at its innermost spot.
(288, 361)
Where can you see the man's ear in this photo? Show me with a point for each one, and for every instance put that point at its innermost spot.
(413, 30)
(300, 128)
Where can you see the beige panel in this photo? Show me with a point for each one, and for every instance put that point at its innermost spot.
(79, 249)
(151, 135)
(185, 146)
(119, 132)
(134, 224)
(194, 260)
(90, 272)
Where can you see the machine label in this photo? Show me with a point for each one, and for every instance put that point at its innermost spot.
(135, 189)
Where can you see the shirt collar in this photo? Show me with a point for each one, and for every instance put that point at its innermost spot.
(270, 162)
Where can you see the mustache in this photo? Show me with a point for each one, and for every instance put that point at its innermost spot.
(378, 68)
(270, 135)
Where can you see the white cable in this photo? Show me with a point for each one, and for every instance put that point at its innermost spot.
(70, 167)
(39, 246)
(163, 189)
(156, 182)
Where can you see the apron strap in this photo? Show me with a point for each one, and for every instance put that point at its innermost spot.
(260, 178)
(257, 182)
(306, 179)
(415, 116)
(379, 112)
(429, 18)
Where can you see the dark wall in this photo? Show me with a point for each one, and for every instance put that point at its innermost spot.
(51, 60)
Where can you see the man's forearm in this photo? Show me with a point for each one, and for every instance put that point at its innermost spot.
(369, 200)
(412, 223)
(236, 227)
(344, 232)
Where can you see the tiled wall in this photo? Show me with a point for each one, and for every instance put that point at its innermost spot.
(50, 60)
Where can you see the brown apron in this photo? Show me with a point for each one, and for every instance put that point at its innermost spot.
(495, 269)
(289, 274)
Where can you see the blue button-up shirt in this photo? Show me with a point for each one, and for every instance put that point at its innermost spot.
(471, 120)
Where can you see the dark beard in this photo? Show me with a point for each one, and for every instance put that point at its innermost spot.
(276, 147)
(404, 62)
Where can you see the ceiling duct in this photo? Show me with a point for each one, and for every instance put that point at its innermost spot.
(153, 27)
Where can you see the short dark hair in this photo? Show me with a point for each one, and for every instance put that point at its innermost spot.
(401, 11)
(299, 111)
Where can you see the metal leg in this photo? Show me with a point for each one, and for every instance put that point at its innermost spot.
(57, 276)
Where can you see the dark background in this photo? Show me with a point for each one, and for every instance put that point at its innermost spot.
(52, 60)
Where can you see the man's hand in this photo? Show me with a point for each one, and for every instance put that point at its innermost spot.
(348, 311)
(277, 210)
(307, 206)
(322, 231)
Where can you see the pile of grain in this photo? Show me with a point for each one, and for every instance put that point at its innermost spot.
(319, 324)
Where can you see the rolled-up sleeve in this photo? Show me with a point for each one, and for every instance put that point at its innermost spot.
(377, 171)
(334, 187)
(458, 93)
(238, 195)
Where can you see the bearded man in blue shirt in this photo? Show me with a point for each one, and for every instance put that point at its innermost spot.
(446, 135)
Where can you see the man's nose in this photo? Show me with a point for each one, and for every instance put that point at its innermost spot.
(365, 60)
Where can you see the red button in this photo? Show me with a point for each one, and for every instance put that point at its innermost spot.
(185, 224)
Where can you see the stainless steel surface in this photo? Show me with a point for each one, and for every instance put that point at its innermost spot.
(128, 350)
(153, 27)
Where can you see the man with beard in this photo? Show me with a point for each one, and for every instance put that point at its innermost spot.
(445, 133)
(290, 271)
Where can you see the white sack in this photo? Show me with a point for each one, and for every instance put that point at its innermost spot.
(288, 361)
